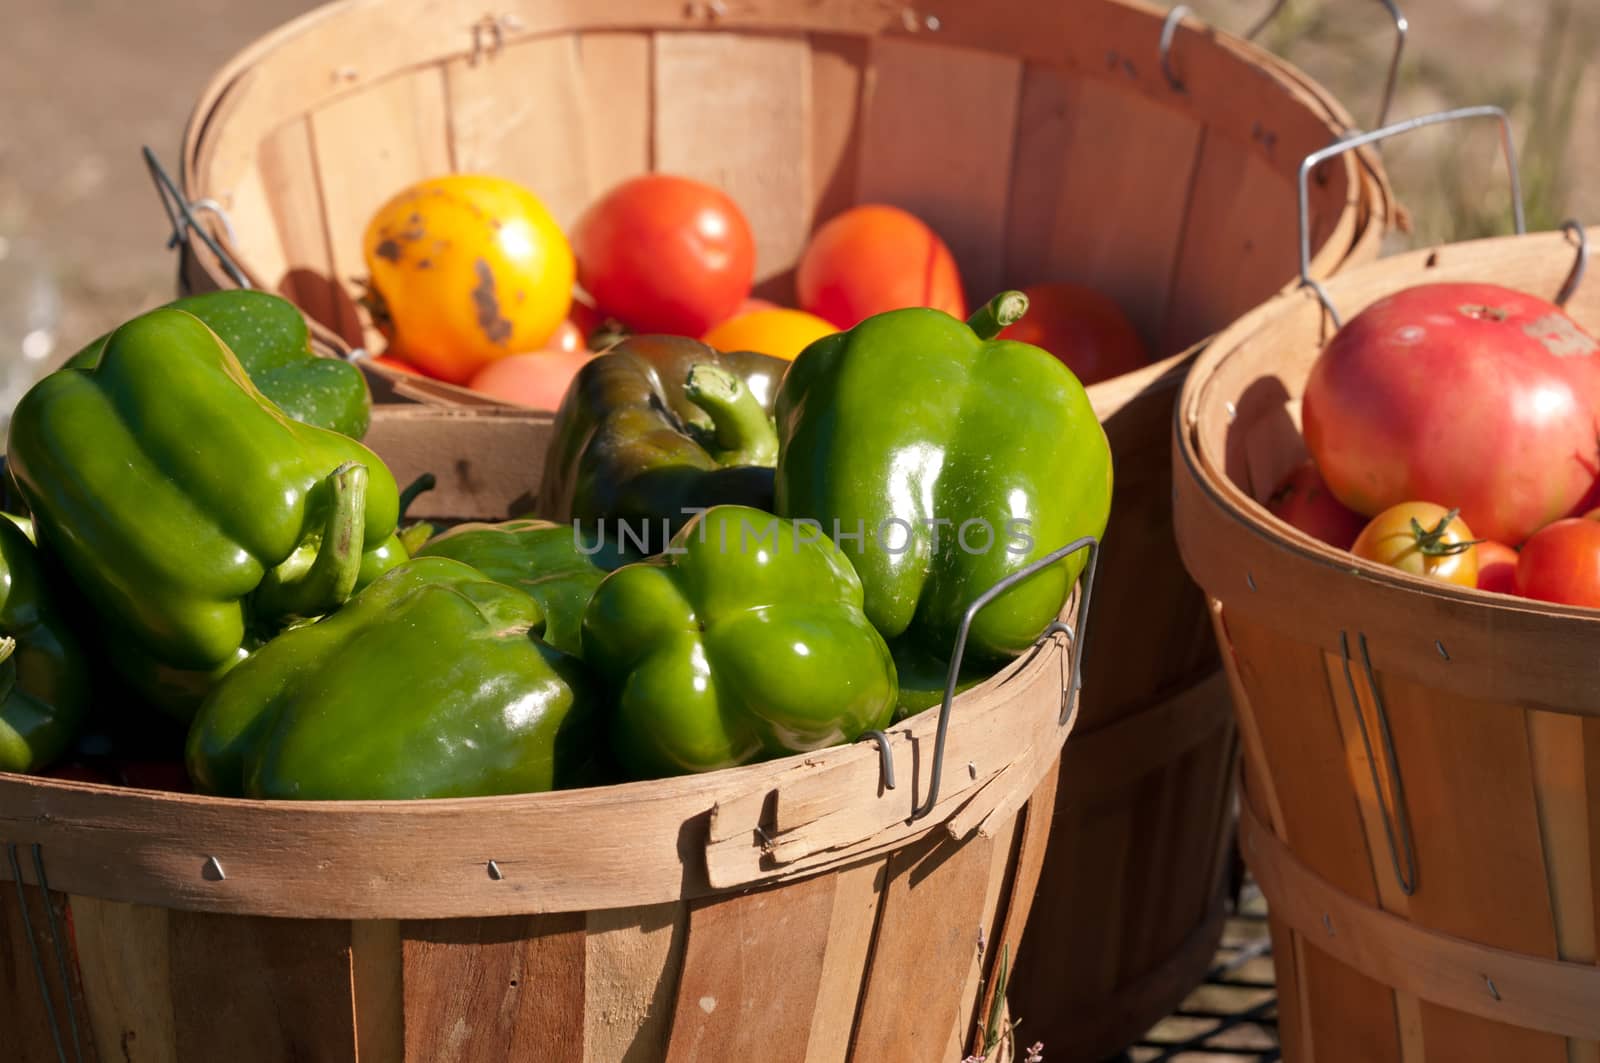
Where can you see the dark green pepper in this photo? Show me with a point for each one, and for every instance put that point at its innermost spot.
(270, 338)
(654, 429)
(44, 673)
(942, 460)
(432, 682)
(184, 505)
(744, 640)
(544, 559)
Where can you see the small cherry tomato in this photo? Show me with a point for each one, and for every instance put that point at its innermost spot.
(466, 269)
(1561, 563)
(537, 380)
(1085, 329)
(780, 333)
(567, 338)
(1305, 502)
(399, 365)
(1497, 567)
(1423, 539)
(876, 258)
(665, 254)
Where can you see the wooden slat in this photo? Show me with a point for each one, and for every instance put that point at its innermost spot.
(617, 107)
(1480, 864)
(257, 990)
(509, 988)
(518, 112)
(752, 974)
(927, 934)
(1002, 869)
(1239, 243)
(376, 984)
(838, 67)
(633, 957)
(369, 146)
(24, 1014)
(733, 111)
(1561, 788)
(1094, 202)
(1297, 725)
(857, 893)
(1293, 1010)
(125, 959)
(950, 165)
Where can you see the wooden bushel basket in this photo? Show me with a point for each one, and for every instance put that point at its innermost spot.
(1043, 140)
(1422, 761)
(790, 910)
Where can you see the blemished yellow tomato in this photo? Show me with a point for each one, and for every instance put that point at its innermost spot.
(1423, 539)
(466, 269)
(778, 332)
(538, 380)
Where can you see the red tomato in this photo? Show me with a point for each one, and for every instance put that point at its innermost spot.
(538, 380)
(872, 259)
(155, 775)
(665, 254)
(1423, 539)
(1305, 502)
(1471, 393)
(1561, 563)
(1085, 330)
(1497, 567)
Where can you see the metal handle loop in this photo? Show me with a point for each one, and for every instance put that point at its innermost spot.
(181, 214)
(63, 969)
(1169, 30)
(1075, 681)
(1359, 140)
(1580, 264)
(1398, 819)
(1402, 28)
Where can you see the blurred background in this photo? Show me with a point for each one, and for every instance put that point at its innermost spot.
(88, 82)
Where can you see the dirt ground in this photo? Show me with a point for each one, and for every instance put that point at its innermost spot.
(87, 82)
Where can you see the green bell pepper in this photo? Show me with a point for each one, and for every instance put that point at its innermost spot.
(185, 506)
(270, 338)
(432, 682)
(943, 460)
(539, 557)
(44, 673)
(744, 640)
(655, 428)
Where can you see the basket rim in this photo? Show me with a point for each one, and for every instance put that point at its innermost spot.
(1363, 596)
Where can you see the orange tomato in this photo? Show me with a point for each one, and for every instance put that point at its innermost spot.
(778, 332)
(1084, 329)
(391, 362)
(538, 380)
(1423, 539)
(468, 268)
(875, 258)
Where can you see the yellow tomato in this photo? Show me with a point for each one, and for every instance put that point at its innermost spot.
(466, 269)
(778, 332)
(1423, 539)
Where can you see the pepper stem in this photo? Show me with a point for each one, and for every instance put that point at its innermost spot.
(741, 432)
(319, 576)
(1004, 309)
(8, 646)
(421, 485)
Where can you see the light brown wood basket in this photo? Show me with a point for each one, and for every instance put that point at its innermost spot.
(1371, 704)
(791, 910)
(1044, 140)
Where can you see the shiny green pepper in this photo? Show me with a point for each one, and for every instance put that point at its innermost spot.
(44, 673)
(184, 506)
(655, 428)
(270, 338)
(542, 558)
(744, 640)
(432, 682)
(942, 460)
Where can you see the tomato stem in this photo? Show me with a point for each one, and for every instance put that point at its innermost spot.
(1430, 541)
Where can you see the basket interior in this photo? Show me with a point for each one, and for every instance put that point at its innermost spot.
(1041, 144)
